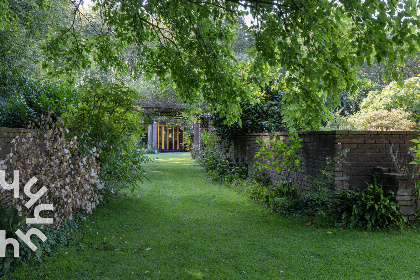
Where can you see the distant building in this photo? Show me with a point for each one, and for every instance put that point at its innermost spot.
(164, 137)
(160, 136)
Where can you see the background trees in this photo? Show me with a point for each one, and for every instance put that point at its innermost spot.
(319, 44)
(22, 36)
(191, 47)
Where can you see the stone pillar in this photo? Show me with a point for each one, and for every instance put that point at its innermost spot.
(197, 135)
(154, 135)
(149, 136)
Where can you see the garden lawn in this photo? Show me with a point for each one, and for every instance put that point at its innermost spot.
(184, 226)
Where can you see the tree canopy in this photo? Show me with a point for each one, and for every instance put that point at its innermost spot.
(24, 27)
(318, 43)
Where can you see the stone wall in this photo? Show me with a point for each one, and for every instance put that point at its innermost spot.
(6, 137)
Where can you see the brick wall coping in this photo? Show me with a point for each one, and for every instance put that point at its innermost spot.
(338, 132)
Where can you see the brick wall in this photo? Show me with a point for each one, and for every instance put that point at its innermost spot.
(316, 149)
(369, 149)
(366, 150)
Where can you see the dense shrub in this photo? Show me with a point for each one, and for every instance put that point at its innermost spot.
(395, 107)
(338, 121)
(106, 119)
(22, 101)
(350, 102)
(370, 208)
(123, 166)
(218, 166)
(395, 96)
(60, 236)
(262, 116)
(393, 119)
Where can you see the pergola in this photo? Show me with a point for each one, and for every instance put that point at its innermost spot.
(169, 109)
(164, 137)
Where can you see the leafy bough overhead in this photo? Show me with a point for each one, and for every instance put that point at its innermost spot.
(318, 43)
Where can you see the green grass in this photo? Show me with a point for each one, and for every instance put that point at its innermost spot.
(183, 226)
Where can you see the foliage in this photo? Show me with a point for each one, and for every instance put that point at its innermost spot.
(263, 116)
(282, 197)
(415, 172)
(123, 166)
(393, 119)
(319, 203)
(416, 150)
(217, 165)
(370, 208)
(107, 120)
(152, 91)
(375, 72)
(339, 121)
(7, 15)
(24, 100)
(318, 43)
(30, 24)
(350, 102)
(60, 236)
(243, 41)
(104, 114)
(282, 153)
(395, 96)
(395, 107)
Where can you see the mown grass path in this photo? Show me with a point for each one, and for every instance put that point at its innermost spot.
(183, 226)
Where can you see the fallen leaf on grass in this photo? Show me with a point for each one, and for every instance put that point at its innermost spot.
(308, 223)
